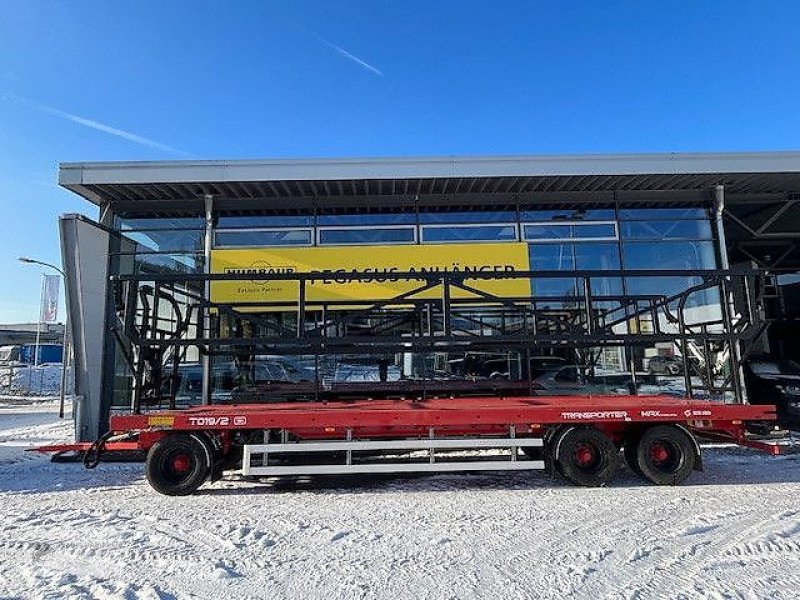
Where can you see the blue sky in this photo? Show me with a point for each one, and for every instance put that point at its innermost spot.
(141, 80)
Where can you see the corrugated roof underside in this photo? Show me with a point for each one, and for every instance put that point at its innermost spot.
(735, 183)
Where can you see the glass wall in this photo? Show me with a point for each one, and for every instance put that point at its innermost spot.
(564, 241)
(151, 246)
(667, 239)
(170, 244)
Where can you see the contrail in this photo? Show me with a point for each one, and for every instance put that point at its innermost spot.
(348, 55)
(353, 57)
(91, 124)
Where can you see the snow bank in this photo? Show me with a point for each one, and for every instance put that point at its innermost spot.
(42, 380)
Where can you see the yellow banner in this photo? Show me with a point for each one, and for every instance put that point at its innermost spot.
(339, 262)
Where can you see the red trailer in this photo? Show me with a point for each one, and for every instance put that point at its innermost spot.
(582, 438)
(422, 422)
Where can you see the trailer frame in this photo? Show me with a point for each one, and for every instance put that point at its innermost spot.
(535, 429)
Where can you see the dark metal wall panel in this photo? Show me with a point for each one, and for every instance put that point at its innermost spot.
(84, 251)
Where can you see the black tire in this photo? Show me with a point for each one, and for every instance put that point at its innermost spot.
(631, 458)
(630, 452)
(666, 455)
(177, 465)
(586, 456)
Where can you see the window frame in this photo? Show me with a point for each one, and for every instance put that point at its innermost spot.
(514, 226)
(525, 238)
(157, 224)
(705, 249)
(408, 218)
(309, 230)
(321, 229)
(142, 248)
(692, 213)
(628, 226)
(304, 221)
(429, 217)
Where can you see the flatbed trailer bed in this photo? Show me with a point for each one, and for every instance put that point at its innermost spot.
(578, 437)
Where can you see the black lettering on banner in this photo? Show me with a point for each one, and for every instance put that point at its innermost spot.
(378, 274)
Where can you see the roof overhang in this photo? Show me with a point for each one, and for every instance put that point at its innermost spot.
(164, 182)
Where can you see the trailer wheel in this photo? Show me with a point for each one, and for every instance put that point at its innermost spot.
(666, 455)
(586, 456)
(177, 465)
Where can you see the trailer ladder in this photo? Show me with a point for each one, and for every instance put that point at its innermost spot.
(257, 457)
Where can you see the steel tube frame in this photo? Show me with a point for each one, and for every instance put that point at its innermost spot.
(579, 327)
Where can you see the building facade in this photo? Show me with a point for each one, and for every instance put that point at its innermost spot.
(255, 280)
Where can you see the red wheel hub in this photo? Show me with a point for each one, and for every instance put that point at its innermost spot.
(584, 455)
(659, 453)
(181, 463)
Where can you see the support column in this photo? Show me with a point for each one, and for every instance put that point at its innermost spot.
(719, 208)
(205, 357)
(728, 307)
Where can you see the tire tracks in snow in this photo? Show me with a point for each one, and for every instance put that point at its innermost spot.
(659, 569)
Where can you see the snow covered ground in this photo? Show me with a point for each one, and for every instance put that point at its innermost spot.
(731, 532)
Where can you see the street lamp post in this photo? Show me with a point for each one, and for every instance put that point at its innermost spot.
(67, 338)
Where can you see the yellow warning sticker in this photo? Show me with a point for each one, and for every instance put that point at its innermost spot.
(161, 421)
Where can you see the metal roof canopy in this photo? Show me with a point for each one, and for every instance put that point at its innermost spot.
(155, 185)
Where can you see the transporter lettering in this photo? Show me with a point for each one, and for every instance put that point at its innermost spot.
(599, 415)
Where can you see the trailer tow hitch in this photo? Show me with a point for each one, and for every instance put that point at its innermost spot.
(91, 456)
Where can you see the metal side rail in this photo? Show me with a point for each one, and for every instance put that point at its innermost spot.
(256, 457)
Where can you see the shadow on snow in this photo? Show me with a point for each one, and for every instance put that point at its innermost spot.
(723, 466)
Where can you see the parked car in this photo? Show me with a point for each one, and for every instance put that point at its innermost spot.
(775, 382)
(571, 380)
(542, 364)
(672, 365)
(666, 365)
(225, 378)
(498, 366)
(287, 368)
